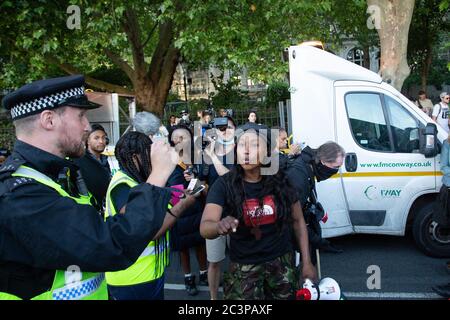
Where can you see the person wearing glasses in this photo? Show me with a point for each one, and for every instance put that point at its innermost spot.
(440, 111)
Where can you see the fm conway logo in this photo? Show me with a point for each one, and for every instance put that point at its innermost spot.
(372, 193)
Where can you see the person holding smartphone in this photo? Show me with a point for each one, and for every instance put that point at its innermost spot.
(219, 159)
(186, 233)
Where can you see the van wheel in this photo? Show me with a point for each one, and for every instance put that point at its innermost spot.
(431, 238)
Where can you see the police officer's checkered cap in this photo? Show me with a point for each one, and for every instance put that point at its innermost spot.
(46, 94)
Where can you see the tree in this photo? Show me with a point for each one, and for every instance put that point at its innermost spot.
(393, 18)
(348, 18)
(123, 33)
(427, 25)
(145, 39)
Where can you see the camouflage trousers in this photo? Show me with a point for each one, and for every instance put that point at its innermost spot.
(273, 280)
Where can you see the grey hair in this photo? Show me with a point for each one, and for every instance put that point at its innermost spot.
(146, 123)
(329, 152)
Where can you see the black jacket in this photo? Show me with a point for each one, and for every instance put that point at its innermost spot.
(186, 232)
(301, 175)
(41, 231)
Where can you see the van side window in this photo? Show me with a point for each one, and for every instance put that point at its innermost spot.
(404, 127)
(367, 121)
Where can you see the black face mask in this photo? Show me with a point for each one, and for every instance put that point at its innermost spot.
(322, 172)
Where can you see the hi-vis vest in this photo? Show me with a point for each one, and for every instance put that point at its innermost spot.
(150, 265)
(71, 284)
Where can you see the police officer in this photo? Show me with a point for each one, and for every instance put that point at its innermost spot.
(53, 243)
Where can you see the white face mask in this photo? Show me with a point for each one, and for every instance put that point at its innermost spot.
(185, 117)
(225, 142)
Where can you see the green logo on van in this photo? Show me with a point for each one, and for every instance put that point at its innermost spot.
(373, 193)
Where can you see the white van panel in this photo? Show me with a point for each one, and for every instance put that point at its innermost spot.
(384, 182)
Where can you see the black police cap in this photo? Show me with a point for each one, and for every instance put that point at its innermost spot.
(48, 94)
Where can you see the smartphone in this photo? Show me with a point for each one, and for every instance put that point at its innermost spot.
(196, 190)
(192, 185)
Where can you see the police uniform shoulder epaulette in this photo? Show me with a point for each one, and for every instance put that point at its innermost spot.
(7, 182)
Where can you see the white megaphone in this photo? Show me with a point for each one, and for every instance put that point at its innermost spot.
(327, 289)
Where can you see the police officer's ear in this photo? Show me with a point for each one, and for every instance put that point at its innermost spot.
(48, 119)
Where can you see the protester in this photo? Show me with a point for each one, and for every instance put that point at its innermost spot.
(186, 233)
(282, 143)
(424, 103)
(185, 121)
(144, 280)
(96, 144)
(223, 113)
(441, 212)
(257, 213)
(252, 118)
(303, 171)
(172, 121)
(94, 166)
(440, 111)
(147, 123)
(219, 153)
(48, 228)
(206, 117)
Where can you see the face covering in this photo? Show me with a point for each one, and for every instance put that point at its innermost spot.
(185, 117)
(225, 142)
(322, 172)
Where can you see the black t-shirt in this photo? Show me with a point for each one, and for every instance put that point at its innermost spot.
(244, 247)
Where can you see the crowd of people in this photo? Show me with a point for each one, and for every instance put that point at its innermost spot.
(70, 230)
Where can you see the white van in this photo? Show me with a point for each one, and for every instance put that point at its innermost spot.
(391, 174)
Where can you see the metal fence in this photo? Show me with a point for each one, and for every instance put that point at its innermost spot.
(270, 116)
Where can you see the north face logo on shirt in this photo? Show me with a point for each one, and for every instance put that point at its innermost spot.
(254, 215)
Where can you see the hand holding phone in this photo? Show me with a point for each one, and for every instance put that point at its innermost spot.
(197, 191)
(194, 188)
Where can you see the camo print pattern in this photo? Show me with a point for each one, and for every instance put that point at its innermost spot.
(273, 280)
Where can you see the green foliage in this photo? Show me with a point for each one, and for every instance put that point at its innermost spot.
(428, 24)
(277, 91)
(7, 134)
(438, 75)
(227, 95)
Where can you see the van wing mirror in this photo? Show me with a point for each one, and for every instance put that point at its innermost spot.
(428, 140)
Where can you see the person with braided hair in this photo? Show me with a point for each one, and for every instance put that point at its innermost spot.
(257, 211)
(144, 280)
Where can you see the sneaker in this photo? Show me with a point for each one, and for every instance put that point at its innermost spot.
(203, 279)
(191, 288)
(443, 291)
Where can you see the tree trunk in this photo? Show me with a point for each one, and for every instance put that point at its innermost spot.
(426, 68)
(395, 19)
(366, 61)
(152, 86)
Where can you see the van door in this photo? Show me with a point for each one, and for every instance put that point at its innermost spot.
(383, 171)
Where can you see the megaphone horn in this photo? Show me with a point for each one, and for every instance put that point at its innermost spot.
(329, 289)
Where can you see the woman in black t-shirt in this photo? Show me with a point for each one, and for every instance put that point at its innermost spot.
(257, 211)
